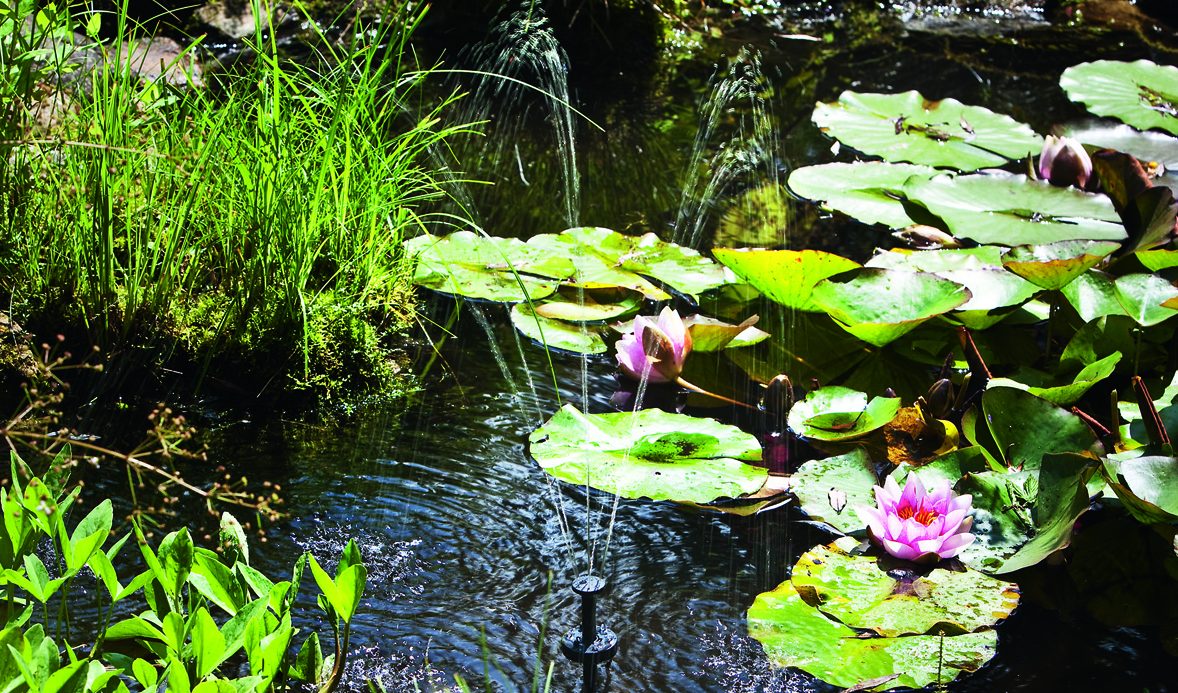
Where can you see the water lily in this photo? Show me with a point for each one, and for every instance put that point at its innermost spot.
(1064, 162)
(915, 524)
(655, 350)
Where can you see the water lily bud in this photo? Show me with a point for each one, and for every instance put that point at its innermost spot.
(919, 525)
(1064, 162)
(655, 350)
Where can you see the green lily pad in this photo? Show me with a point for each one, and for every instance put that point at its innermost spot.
(1024, 428)
(590, 306)
(983, 257)
(1063, 395)
(977, 269)
(486, 267)
(840, 413)
(592, 271)
(680, 268)
(879, 306)
(557, 334)
(1143, 295)
(1054, 265)
(1093, 294)
(858, 592)
(795, 634)
(1158, 260)
(870, 191)
(649, 454)
(1143, 146)
(1008, 209)
(1148, 486)
(1141, 93)
(784, 276)
(908, 127)
(852, 476)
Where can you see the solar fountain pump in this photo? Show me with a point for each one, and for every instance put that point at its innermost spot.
(590, 644)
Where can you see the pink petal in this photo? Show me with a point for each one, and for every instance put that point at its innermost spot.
(890, 492)
(873, 518)
(900, 550)
(954, 545)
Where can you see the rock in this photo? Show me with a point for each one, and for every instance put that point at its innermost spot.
(233, 18)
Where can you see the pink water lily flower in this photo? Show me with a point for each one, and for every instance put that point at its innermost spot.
(655, 350)
(1064, 162)
(919, 525)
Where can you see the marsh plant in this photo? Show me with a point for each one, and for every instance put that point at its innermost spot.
(256, 221)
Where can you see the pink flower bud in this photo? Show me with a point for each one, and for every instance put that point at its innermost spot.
(655, 350)
(1064, 162)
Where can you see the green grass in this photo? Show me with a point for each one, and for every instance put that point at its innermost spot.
(256, 220)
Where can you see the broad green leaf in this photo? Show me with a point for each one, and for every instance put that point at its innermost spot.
(649, 453)
(983, 257)
(147, 675)
(787, 277)
(216, 582)
(1062, 497)
(709, 334)
(1098, 339)
(590, 305)
(852, 475)
(1158, 260)
(977, 269)
(558, 334)
(485, 267)
(134, 627)
(350, 585)
(308, 664)
(1025, 428)
(1141, 93)
(909, 127)
(1093, 295)
(1143, 295)
(1052, 266)
(878, 306)
(858, 592)
(1144, 146)
(208, 645)
(1067, 394)
(870, 191)
(326, 585)
(795, 634)
(1008, 209)
(90, 534)
(1147, 485)
(593, 271)
(175, 558)
(840, 413)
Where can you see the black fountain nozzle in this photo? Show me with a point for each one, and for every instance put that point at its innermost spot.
(590, 644)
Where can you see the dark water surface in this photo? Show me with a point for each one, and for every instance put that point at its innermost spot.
(471, 548)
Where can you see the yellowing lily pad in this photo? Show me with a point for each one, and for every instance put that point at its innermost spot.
(1054, 265)
(878, 306)
(785, 276)
(649, 454)
(858, 592)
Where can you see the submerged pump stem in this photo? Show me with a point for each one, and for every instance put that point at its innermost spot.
(590, 644)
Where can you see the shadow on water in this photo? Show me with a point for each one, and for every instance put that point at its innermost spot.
(471, 547)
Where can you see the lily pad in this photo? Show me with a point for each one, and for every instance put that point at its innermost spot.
(1157, 260)
(590, 306)
(1144, 146)
(557, 334)
(649, 454)
(785, 276)
(1054, 265)
(1141, 93)
(870, 191)
(592, 271)
(1093, 294)
(943, 260)
(1062, 395)
(839, 413)
(486, 267)
(878, 306)
(1008, 209)
(858, 592)
(795, 634)
(1143, 297)
(1024, 428)
(851, 475)
(1148, 486)
(909, 127)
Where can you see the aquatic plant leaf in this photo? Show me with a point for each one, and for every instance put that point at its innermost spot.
(787, 277)
(1157, 260)
(590, 306)
(1053, 266)
(709, 334)
(1140, 93)
(679, 267)
(1025, 428)
(1148, 485)
(795, 634)
(1144, 146)
(870, 191)
(808, 345)
(852, 474)
(558, 334)
(840, 413)
(1062, 395)
(940, 260)
(483, 267)
(1093, 295)
(591, 270)
(908, 127)
(879, 305)
(858, 592)
(649, 454)
(1143, 297)
(977, 269)
(1061, 498)
(1008, 209)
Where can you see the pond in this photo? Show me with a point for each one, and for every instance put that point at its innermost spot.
(472, 548)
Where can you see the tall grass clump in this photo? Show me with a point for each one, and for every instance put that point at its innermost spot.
(253, 222)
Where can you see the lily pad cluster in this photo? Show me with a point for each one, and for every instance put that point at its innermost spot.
(855, 620)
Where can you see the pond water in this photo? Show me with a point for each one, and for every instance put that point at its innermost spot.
(472, 549)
